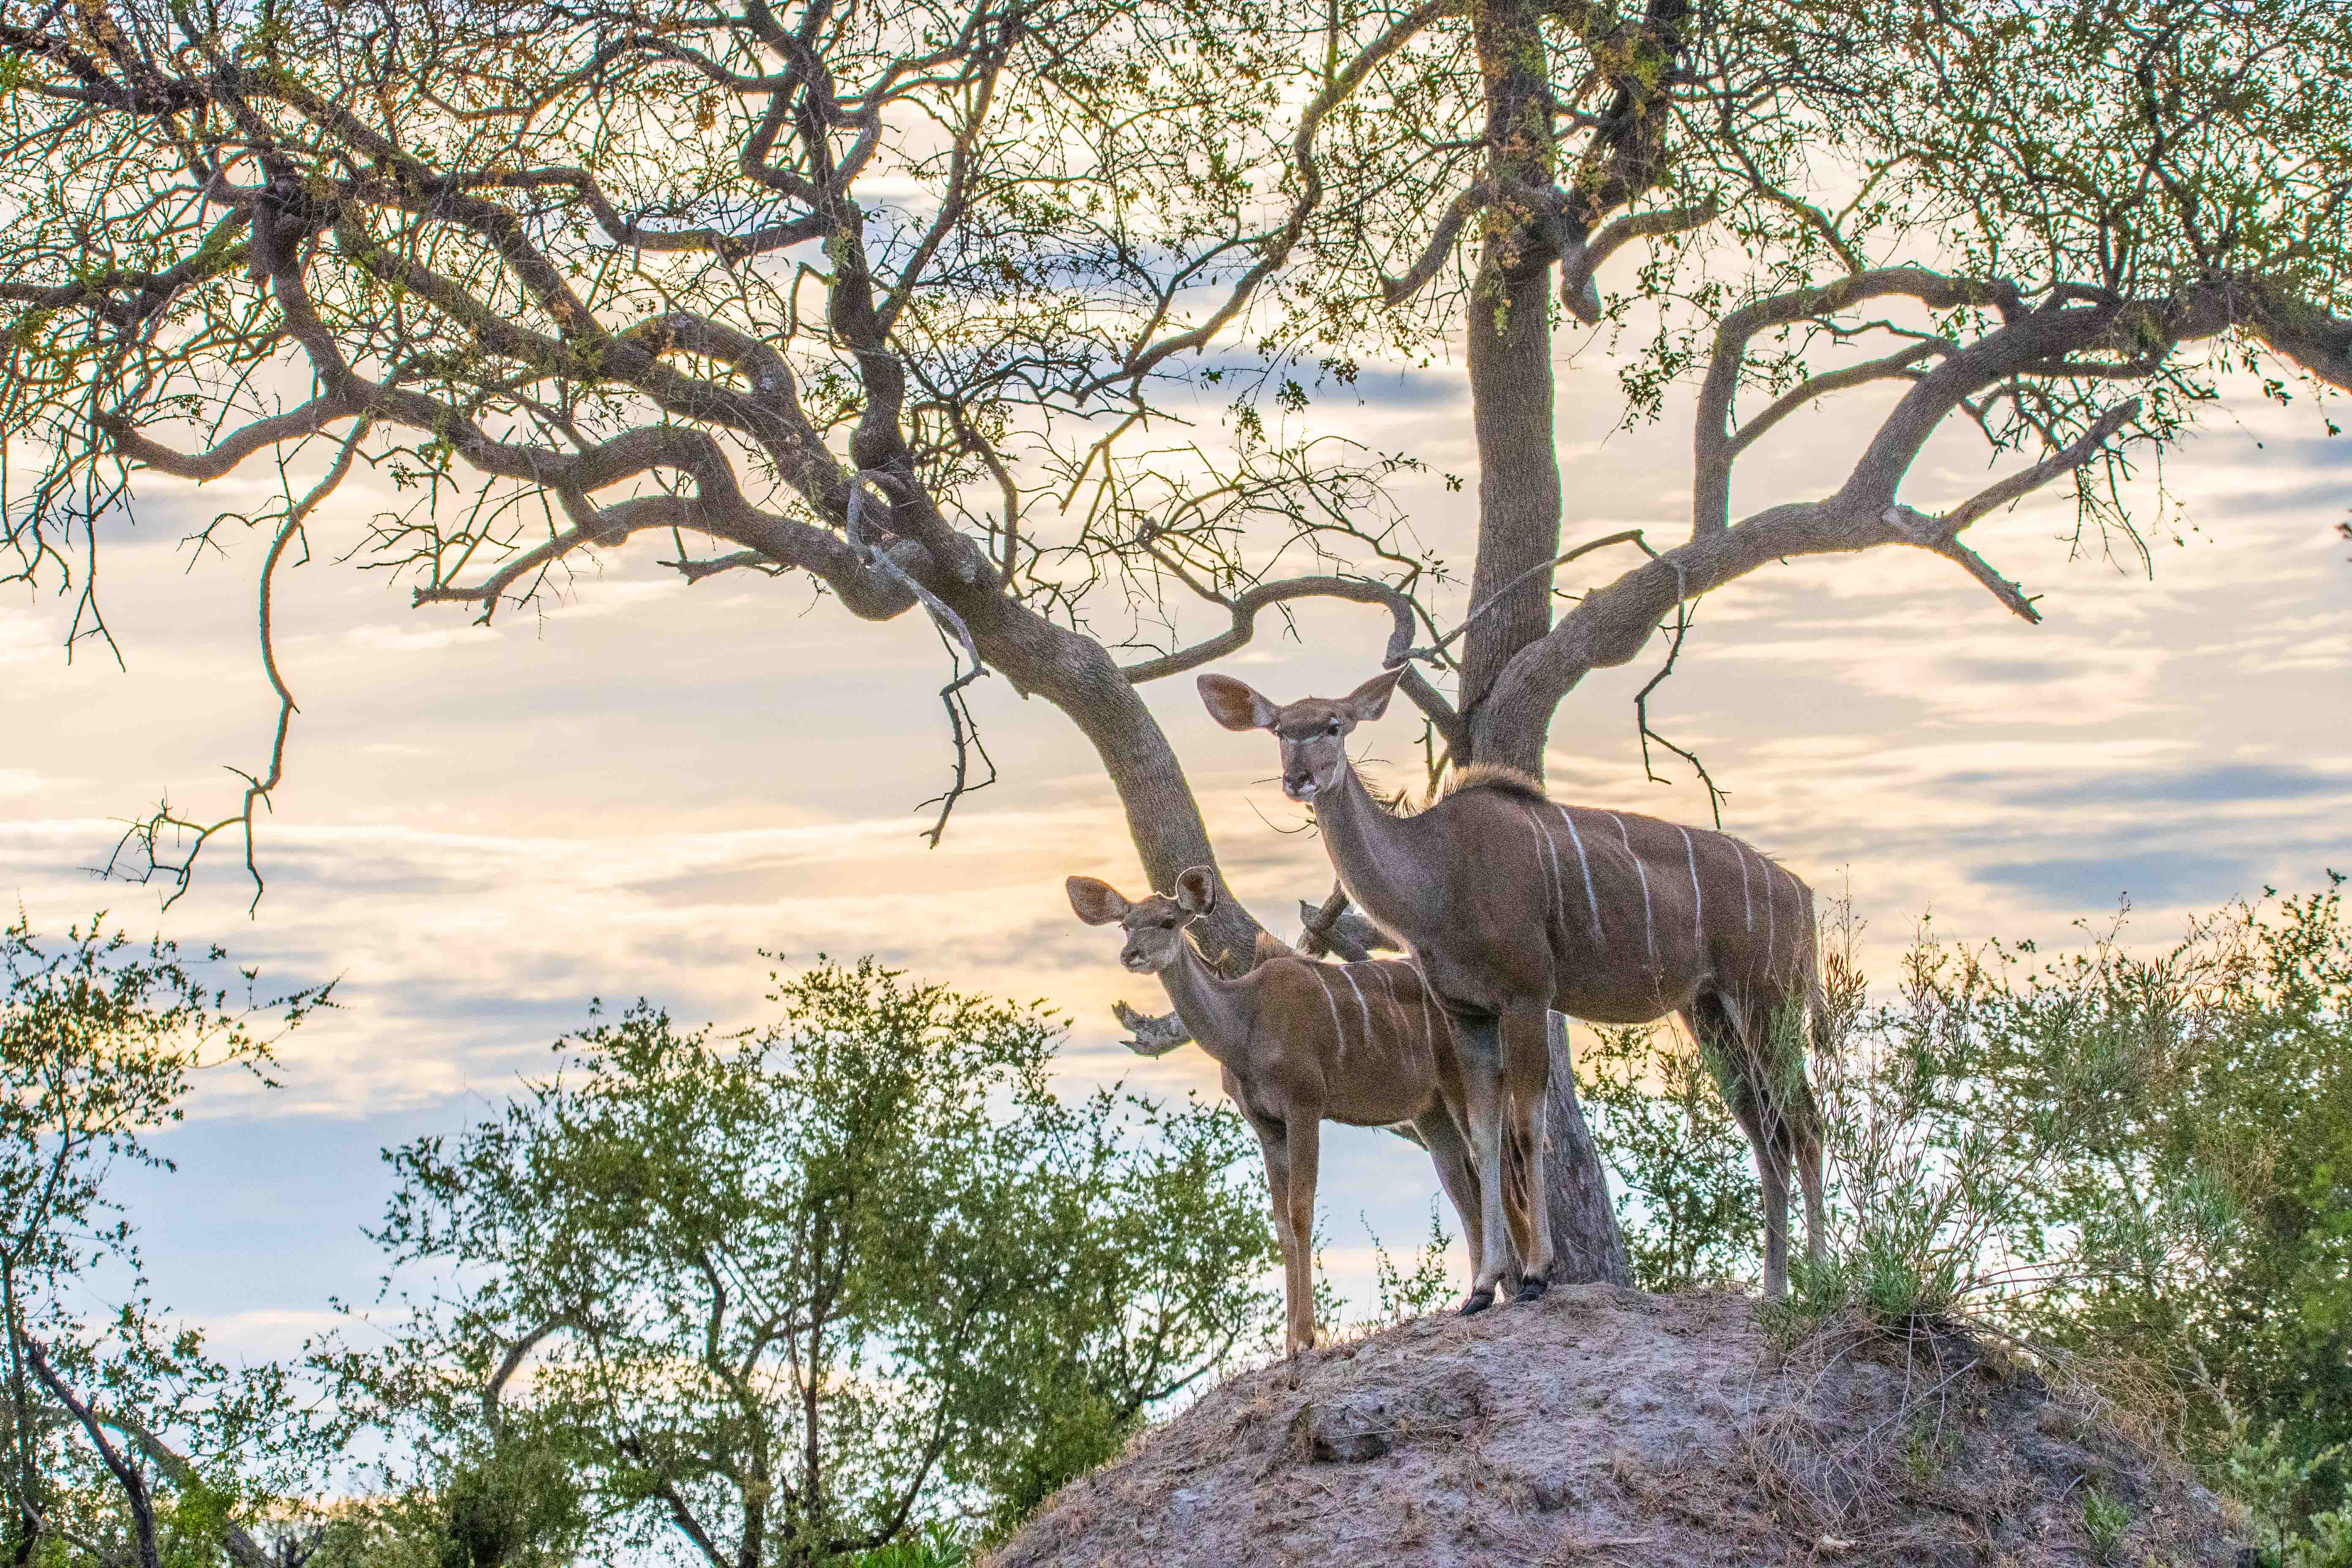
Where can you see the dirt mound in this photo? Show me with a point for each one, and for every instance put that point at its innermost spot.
(1605, 1426)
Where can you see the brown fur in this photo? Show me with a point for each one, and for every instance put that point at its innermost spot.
(1302, 1043)
(1492, 777)
(1514, 906)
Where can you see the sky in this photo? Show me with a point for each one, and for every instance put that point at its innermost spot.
(633, 795)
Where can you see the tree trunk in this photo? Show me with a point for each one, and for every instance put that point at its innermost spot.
(1079, 675)
(1519, 490)
(1587, 1246)
(1509, 349)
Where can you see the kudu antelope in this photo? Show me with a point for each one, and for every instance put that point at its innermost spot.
(1513, 905)
(1300, 1041)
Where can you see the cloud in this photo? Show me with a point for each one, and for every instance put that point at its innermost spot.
(2088, 884)
(2214, 785)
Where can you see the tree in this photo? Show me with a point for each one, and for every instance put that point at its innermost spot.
(787, 1295)
(569, 275)
(122, 1440)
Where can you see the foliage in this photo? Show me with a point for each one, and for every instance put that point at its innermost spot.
(2270, 1480)
(100, 1043)
(912, 297)
(1687, 1193)
(1414, 1291)
(789, 1293)
(2138, 1161)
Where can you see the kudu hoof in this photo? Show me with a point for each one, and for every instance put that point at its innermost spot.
(1478, 1302)
(1531, 1290)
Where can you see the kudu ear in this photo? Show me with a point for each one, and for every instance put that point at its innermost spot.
(1196, 890)
(1232, 704)
(1097, 903)
(1370, 699)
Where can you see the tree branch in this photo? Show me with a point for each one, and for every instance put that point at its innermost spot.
(1711, 427)
(126, 1475)
(1579, 266)
(1141, 359)
(1433, 258)
(1940, 534)
(1244, 610)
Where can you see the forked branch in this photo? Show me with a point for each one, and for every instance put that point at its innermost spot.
(145, 837)
(1244, 607)
(1941, 534)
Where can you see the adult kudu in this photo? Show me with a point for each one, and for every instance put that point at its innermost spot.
(1514, 905)
(1300, 1041)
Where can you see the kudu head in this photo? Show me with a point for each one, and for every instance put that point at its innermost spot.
(1313, 730)
(1154, 926)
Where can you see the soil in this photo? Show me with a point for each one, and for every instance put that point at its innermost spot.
(1605, 1426)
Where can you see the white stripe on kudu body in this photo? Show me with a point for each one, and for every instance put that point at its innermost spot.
(1362, 1007)
(1322, 983)
(1591, 902)
(1559, 910)
(1649, 929)
(1698, 899)
(1747, 912)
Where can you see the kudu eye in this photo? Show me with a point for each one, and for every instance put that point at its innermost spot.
(1167, 924)
(1332, 727)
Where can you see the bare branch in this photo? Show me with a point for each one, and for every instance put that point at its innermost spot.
(1941, 534)
(1152, 1036)
(961, 727)
(1711, 427)
(1814, 388)
(1433, 258)
(1611, 625)
(1642, 712)
(1332, 927)
(1244, 609)
(258, 790)
(1579, 266)
(1627, 536)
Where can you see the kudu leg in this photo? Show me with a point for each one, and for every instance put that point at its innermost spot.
(1457, 1172)
(1716, 1029)
(1273, 1142)
(1306, 1156)
(1805, 1138)
(1482, 1091)
(1526, 1085)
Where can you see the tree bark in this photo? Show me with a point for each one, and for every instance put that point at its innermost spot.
(1511, 376)
(1518, 489)
(1587, 1246)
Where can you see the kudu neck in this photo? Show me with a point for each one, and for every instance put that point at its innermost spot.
(1215, 1009)
(1373, 850)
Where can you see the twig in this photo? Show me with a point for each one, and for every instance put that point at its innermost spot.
(1632, 535)
(1715, 796)
(953, 633)
(258, 790)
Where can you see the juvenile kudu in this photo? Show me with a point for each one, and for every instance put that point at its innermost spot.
(1300, 1041)
(1514, 905)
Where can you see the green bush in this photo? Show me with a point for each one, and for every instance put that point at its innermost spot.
(791, 1293)
(2142, 1162)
